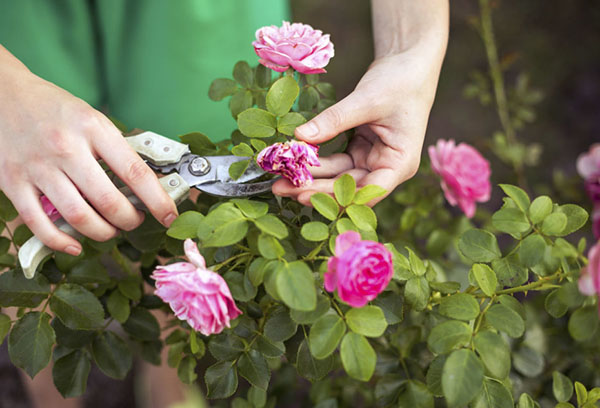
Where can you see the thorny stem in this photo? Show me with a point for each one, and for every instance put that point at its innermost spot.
(216, 267)
(529, 286)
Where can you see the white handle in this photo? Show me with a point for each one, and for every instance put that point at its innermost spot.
(157, 149)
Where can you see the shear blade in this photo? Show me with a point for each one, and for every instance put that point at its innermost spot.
(221, 189)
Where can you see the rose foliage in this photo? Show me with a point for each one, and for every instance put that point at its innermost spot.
(410, 305)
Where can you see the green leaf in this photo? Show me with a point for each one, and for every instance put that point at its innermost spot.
(279, 325)
(367, 320)
(4, 245)
(221, 380)
(251, 208)
(576, 218)
(417, 292)
(269, 247)
(309, 367)
(562, 387)
(269, 348)
(554, 224)
(525, 401)
(288, 123)
(256, 122)
(237, 169)
(112, 355)
(118, 306)
(226, 346)
(70, 373)
(358, 357)
(325, 335)
(257, 397)
(296, 286)
(392, 306)
(582, 394)
(540, 208)
(510, 220)
(506, 320)
(417, 266)
(5, 324)
(30, 342)
(344, 189)
(77, 307)
(263, 76)
(434, 375)
(242, 150)
(494, 352)
(310, 317)
(240, 286)
(486, 278)
(131, 288)
(461, 306)
(479, 246)
(243, 74)
(186, 370)
(462, 377)
(362, 216)
(221, 88)
(16, 290)
(142, 325)
(326, 89)
(272, 225)
(554, 305)
(253, 367)
(88, 271)
(223, 226)
(415, 395)
(448, 335)
(241, 101)
(325, 205)
(583, 323)
(493, 395)
(309, 97)
(281, 95)
(509, 271)
(518, 195)
(531, 251)
(199, 143)
(528, 362)
(315, 231)
(7, 210)
(368, 193)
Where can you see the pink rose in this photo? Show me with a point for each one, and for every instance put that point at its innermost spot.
(196, 294)
(465, 174)
(49, 209)
(360, 270)
(589, 280)
(297, 45)
(596, 221)
(291, 160)
(588, 164)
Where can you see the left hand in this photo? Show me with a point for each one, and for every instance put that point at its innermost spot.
(390, 109)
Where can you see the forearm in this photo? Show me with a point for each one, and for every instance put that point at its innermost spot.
(399, 25)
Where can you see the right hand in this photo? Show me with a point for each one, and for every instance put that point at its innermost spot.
(50, 142)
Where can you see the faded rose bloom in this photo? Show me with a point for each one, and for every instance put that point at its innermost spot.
(360, 270)
(296, 45)
(291, 160)
(196, 294)
(465, 174)
(49, 209)
(589, 280)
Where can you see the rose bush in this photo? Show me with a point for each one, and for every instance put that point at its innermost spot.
(408, 305)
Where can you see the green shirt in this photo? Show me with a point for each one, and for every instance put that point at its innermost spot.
(149, 63)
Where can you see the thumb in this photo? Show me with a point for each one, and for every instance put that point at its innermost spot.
(350, 112)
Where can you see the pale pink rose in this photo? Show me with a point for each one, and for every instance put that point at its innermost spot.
(588, 163)
(360, 270)
(465, 174)
(296, 45)
(49, 209)
(196, 294)
(291, 160)
(589, 280)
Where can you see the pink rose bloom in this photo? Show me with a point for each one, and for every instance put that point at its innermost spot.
(588, 164)
(291, 160)
(360, 270)
(49, 209)
(465, 174)
(197, 295)
(589, 280)
(293, 45)
(596, 221)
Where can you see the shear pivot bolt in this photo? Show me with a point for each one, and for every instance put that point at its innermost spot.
(199, 166)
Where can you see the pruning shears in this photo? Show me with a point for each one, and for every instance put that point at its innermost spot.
(183, 169)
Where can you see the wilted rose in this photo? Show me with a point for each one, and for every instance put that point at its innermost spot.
(196, 294)
(291, 160)
(360, 270)
(465, 174)
(295, 45)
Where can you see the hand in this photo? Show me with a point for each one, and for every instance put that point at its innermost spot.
(50, 143)
(390, 108)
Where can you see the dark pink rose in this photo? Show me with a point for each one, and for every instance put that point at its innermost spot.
(296, 45)
(49, 209)
(596, 221)
(465, 174)
(196, 294)
(360, 270)
(291, 160)
(589, 280)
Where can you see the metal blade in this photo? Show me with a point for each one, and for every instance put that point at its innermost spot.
(217, 170)
(220, 189)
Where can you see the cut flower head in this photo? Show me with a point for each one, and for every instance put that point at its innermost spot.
(290, 160)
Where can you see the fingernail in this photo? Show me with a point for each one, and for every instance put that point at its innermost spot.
(73, 250)
(168, 220)
(308, 130)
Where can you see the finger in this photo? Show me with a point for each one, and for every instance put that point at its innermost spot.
(74, 209)
(93, 182)
(350, 112)
(332, 165)
(130, 168)
(27, 202)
